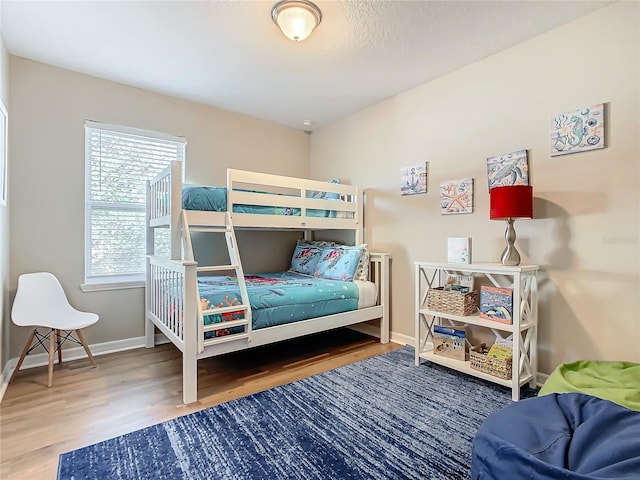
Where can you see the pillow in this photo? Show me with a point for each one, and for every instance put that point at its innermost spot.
(305, 258)
(338, 263)
(320, 243)
(325, 195)
(362, 270)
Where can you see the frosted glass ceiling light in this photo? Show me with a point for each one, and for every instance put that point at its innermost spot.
(296, 18)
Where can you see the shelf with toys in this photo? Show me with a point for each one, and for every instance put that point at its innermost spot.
(449, 295)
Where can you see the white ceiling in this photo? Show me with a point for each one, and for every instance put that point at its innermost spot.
(229, 53)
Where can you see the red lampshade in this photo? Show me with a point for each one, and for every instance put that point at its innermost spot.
(515, 201)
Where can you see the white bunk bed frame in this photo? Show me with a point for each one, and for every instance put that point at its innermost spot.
(184, 325)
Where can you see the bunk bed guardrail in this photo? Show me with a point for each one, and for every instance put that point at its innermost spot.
(312, 204)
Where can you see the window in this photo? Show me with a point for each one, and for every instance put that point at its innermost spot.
(118, 162)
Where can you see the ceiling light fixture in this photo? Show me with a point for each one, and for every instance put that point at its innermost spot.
(296, 18)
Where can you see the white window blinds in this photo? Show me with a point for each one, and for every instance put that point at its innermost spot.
(118, 162)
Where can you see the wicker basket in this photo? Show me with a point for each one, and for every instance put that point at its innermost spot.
(479, 360)
(447, 301)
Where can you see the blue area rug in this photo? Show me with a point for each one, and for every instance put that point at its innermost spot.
(379, 418)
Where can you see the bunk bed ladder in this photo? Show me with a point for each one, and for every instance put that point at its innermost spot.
(237, 328)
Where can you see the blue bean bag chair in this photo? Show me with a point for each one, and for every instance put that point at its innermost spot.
(559, 436)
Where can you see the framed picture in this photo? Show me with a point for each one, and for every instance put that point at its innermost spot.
(508, 169)
(578, 131)
(459, 250)
(456, 196)
(413, 179)
(3, 154)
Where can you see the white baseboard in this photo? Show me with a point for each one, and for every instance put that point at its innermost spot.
(75, 353)
(374, 331)
(402, 339)
(541, 378)
(4, 385)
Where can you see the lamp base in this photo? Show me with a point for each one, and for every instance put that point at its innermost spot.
(510, 256)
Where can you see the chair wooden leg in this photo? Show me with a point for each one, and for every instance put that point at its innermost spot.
(59, 345)
(86, 347)
(52, 351)
(22, 355)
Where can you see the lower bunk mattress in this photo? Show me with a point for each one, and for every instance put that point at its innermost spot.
(281, 297)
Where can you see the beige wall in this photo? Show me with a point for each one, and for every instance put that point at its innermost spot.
(587, 206)
(585, 234)
(49, 107)
(4, 223)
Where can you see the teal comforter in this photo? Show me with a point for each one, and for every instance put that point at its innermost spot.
(214, 199)
(278, 298)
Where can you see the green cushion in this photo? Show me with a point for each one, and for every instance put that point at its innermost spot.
(618, 382)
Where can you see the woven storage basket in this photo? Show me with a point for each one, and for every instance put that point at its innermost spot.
(453, 302)
(479, 360)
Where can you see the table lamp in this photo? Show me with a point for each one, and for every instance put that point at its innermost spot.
(509, 203)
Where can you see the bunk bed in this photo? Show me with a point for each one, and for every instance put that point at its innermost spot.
(177, 288)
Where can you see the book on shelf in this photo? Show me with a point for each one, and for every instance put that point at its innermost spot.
(500, 352)
(496, 304)
(505, 341)
(459, 280)
(459, 250)
(449, 341)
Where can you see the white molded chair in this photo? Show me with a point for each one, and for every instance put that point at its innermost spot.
(41, 303)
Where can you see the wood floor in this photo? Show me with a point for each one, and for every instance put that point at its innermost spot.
(134, 389)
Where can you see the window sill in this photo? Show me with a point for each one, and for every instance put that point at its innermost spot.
(103, 286)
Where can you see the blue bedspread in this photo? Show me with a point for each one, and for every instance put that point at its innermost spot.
(210, 199)
(278, 298)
